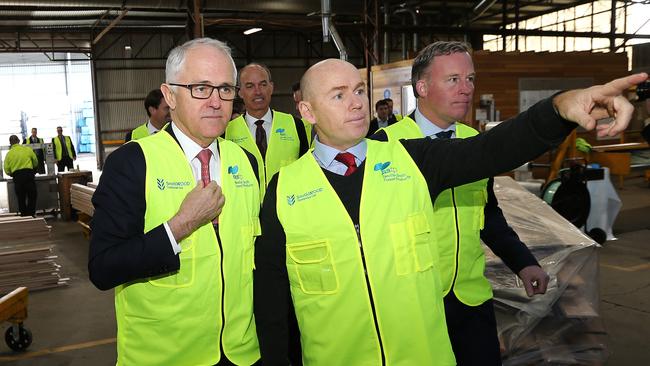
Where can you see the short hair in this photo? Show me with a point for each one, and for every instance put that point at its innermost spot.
(388, 100)
(176, 57)
(153, 99)
(57, 127)
(380, 103)
(295, 87)
(34, 128)
(13, 139)
(266, 68)
(238, 106)
(427, 55)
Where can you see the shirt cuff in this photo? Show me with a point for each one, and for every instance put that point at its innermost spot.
(172, 240)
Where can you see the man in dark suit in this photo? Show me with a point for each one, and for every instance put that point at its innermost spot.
(180, 259)
(385, 117)
(40, 153)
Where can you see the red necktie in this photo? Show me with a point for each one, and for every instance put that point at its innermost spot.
(204, 157)
(347, 159)
(260, 137)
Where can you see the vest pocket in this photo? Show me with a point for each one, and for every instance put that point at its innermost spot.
(311, 265)
(412, 242)
(184, 277)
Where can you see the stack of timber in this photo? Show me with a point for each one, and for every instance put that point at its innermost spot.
(26, 257)
(562, 326)
(81, 196)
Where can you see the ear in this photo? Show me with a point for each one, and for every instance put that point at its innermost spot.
(170, 98)
(307, 112)
(421, 87)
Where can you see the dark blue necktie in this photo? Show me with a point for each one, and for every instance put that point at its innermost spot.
(444, 134)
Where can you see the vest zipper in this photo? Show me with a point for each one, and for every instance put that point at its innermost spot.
(223, 294)
(372, 303)
(453, 200)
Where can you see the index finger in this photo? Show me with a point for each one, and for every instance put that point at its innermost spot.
(616, 86)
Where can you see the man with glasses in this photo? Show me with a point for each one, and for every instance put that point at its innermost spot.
(179, 258)
(274, 138)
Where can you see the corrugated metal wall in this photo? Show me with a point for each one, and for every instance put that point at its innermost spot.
(124, 77)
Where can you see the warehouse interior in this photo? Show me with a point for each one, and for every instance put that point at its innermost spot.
(87, 66)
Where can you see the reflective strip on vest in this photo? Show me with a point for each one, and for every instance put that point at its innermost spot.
(327, 274)
(140, 132)
(176, 318)
(283, 147)
(467, 202)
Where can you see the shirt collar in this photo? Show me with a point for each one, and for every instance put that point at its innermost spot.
(191, 148)
(151, 128)
(325, 154)
(267, 117)
(428, 128)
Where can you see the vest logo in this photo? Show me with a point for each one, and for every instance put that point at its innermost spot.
(162, 184)
(382, 166)
(240, 180)
(282, 133)
(238, 140)
(390, 174)
(292, 199)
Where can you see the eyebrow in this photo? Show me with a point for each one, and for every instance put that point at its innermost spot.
(344, 87)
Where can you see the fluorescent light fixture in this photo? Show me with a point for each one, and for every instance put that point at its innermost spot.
(127, 48)
(251, 31)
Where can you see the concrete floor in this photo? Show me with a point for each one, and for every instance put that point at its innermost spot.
(75, 325)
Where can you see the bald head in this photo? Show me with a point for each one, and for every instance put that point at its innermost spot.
(336, 101)
(314, 76)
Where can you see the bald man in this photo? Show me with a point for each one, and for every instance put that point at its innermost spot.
(363, 278)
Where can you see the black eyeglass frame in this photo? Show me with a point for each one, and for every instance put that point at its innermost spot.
(190, 87)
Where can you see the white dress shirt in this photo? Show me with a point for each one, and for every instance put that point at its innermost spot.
(191, 150)
(325, 156)
(428, 128)
(151, 128)
(268, 122)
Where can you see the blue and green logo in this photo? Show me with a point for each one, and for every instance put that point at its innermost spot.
(291, 199)
(233, 169)
(381, 166)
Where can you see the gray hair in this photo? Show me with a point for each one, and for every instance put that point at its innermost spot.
(177, 56)
(428, 53)
(264, 67)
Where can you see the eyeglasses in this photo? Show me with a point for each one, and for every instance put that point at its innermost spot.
(204, 91)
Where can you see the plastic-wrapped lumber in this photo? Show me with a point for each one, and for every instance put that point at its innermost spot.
(562, 326)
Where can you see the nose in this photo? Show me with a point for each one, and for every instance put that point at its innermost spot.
(466, 87)
(214, 100)
(357, 101)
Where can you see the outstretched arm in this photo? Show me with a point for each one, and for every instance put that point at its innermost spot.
(585, 106)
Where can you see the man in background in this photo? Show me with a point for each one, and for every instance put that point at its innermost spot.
(384, 117)
(158, 112)
(20, 164)
(274, 138)
(40, 152)
(64, 152)
(392, 111)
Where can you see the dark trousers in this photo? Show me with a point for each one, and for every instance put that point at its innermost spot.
(26, 191)
(473, 332)
(65, 161)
